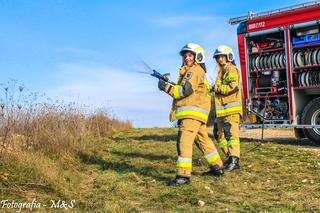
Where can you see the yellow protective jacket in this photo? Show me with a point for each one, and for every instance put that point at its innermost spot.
(228, 99)
(191, 95)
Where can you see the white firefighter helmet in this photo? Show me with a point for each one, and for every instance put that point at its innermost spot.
(196, 49)
(224, 50)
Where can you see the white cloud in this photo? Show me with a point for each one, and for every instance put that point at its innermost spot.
(130, 95)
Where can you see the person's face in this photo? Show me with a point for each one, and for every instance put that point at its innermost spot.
(188, 58)
(221, 59)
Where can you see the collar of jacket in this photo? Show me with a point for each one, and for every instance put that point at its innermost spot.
(185, 68)
(226, 65)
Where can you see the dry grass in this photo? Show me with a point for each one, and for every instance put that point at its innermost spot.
(128, 172)
(29, 122)
(41, 142)
(134, 167)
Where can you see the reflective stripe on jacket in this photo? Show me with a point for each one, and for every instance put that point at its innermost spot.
(191, 95)
(228, 99)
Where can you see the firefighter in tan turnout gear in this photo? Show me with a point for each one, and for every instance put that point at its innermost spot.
(191, 106)
(228, 106)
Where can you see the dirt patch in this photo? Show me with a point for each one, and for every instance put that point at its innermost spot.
(269, 135)
(279, 136)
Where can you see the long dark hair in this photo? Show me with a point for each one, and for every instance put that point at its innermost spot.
(203, 66)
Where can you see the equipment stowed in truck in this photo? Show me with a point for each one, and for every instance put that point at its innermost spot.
(279, 53)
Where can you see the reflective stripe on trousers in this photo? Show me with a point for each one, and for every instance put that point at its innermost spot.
(222, 143)
(213, 156)
(184, 162)
(233, 142)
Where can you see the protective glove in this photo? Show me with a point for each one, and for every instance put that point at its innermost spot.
(217, 88)
(162, 84)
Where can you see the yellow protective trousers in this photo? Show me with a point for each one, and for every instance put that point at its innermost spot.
(228, 134)
(191, 130)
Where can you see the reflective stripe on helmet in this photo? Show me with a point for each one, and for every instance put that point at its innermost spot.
(199, 48)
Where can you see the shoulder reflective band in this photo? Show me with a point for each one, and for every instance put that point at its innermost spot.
(222, 143)
(212, 157)
(207, 86)
(231, 77)
(177, 91)
(224, 89)
(227, 81)
(184, 162)
(192, 111)
(229, 108)
(233, 142)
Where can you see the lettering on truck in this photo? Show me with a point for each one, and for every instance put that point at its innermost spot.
(257, 25)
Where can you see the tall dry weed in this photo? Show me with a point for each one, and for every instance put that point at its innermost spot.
(29, 121)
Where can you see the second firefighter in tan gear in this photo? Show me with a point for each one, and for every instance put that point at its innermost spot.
(228, 105)
(191, 106)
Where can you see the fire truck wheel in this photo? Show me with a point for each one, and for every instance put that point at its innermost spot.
(311, 116)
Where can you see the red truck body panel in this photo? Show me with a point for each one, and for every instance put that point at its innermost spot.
(276, 20)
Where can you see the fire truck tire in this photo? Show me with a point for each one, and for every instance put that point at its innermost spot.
(311, 116)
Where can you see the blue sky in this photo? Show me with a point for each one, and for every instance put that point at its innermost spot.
(89, 51)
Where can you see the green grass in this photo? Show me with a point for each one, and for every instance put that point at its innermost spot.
(129, 173)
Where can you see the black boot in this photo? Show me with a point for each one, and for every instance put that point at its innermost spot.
(233, 163)
(226, 162)
(214, 171)
(180, 180)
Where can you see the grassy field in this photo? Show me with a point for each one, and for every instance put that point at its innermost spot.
(128, 172)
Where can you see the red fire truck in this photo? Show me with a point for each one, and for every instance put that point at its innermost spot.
(279, 53)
